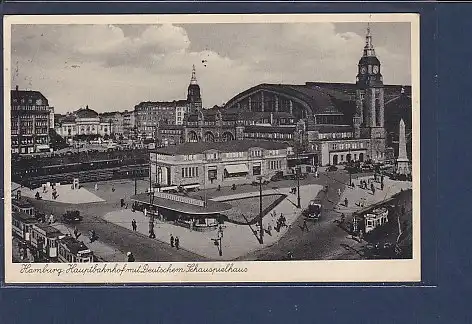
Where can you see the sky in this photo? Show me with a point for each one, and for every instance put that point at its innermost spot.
(115, 67)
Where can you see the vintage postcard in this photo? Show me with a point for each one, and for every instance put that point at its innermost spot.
(212, 148)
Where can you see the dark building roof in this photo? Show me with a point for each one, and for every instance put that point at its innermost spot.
(172, 103)
(333, 128)
(21, 203)
(318, 100)
(269, 129)
(349, 89)
(50, 231)
(23, 217)
(230, 146)
(398, 108)
(86, 113)
(18, 95)
(73, 245)
(67, 119)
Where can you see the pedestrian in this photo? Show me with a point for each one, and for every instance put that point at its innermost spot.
(51, 219)
(343, 218)
(76, 233)
(289, 255)
(171, 240)
(382, 186)
(346, 202)
(130, 257)
(269, 229)
(177, 242)
(372, 187)
(339, 192)
(305, 226)
(113, 188)
(122, 202)
(96, 187)
(145, 212)
(134, 225)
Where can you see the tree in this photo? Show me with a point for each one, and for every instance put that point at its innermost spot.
(56, 141)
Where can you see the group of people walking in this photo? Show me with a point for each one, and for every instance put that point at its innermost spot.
(174, 241)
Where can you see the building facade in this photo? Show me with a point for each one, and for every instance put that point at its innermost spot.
(30, 122)
(213, 164)
(115, 122)
(83, 122)
(329, 123)
(152, 116)
(129, 125)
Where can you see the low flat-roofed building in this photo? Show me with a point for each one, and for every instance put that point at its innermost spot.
(213, 164)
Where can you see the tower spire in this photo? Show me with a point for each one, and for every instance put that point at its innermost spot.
(193, 80)
(368, 48)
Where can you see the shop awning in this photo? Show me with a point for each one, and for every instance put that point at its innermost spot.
(192, 186)
(237, 168)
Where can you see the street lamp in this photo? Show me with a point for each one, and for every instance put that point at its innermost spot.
(261, 230)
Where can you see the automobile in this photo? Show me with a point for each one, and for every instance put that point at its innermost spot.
(264, 182)
(313, 211)
(332, 168)
(72, 216)
(277, 177)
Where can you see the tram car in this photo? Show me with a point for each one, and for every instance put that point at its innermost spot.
(44, 238)
(71, 250)
(375, 218)
(20, 204)
(22, 225)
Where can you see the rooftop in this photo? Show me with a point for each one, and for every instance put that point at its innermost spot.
(229, 146)
(27, 95)
(73, 245)
(24, 217)
(21, 203)
(49, 230)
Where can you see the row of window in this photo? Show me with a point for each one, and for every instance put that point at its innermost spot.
(286, 136)
(275, 164)
(348, 146)
(335, 135)
(190, 172)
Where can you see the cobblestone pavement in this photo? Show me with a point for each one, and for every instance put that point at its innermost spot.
(117, 237)
(324, 239)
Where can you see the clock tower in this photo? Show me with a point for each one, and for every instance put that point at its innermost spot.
(370, 100)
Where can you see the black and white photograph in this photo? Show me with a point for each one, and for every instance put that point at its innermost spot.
(212, 148)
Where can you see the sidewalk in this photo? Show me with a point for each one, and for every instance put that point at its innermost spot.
(355, 195)
(237, 239)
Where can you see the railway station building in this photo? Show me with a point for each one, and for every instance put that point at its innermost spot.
(213, 164)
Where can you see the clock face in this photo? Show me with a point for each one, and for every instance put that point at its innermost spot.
(375, 69)
(363, 70)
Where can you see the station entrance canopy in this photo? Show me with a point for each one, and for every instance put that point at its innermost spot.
(182, 204)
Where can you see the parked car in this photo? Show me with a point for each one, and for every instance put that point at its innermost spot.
(332, 168)
(277, 177)
(72, 216)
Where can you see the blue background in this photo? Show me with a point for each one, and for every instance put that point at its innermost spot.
(446, 117)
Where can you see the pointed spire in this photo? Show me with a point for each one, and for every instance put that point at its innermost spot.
(193, 80)
(368, 48)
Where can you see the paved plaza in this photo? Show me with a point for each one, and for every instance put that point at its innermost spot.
(66, 194)
(237, 239)
(358, 197)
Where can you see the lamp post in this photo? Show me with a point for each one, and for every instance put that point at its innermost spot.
(261, 230)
